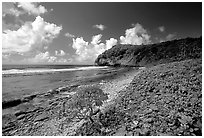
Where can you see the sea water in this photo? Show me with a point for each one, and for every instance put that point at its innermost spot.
(20, 80)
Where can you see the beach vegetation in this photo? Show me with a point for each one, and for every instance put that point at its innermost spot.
(87, 102)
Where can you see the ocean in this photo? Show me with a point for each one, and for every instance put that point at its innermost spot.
(21, 80)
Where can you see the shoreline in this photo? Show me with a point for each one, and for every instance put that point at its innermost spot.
(142, 102)
(45, 109)
(114, 87)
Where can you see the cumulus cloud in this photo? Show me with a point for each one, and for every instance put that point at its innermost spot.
(19, 8)
(89, 51)
(45, 57)
(161, 28)
(135, 36)
(60, 53)
(32, 8)
(12, 11)
(110, 43)
(41, 58)
(62, 60)
(99, 26)
(96, 39)
(69, 35)
(30, 36)
(170, 36)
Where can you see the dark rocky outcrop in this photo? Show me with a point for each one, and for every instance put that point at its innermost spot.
(152, 54)
(15, 102)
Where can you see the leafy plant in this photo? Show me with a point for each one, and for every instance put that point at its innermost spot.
(86, 102)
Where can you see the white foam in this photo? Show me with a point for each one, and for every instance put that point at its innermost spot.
(29, 71)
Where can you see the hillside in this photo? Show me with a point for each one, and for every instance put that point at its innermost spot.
(163, 100)
(152, 54)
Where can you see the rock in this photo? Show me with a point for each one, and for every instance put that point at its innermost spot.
(21, 116)
(19, 112)
(11, 103)
(146, 125)
(27, 98)
(145, 132)
(52, 92)
(9, 122)
(153, 107)
(129, 134)
(148, 120)
(121, 132)
(148, 111)
(31, 110)
(137, 132)
(135, 123)
(185, 119)
(41, 117)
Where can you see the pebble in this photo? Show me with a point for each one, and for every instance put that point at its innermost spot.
(135, 123)
(148, 111)
(145, 132)
(153, 107)
(149, 120)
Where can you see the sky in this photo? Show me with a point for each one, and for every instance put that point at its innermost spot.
(76, 33)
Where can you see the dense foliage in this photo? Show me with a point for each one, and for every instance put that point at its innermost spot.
(84, 103)
(152, 54)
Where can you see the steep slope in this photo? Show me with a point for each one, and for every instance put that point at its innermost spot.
(152, 54)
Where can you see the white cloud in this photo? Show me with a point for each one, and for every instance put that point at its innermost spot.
(30, 36)
(110, 43)
(60, 53)
(135, 36)
(32, 8)
(161, 28)
(45, 58)
(170, 36)
(69, 35)
(79, 44)
(89, 51)
(96, 39)
(41, 58)
(13, 11)
(99, 26)
(9, 8)
(62, 60)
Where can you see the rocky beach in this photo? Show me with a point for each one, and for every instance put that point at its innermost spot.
(45, 113)
(161, 100)
(101, 68)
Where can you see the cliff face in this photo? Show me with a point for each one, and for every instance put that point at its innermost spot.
(152, 54)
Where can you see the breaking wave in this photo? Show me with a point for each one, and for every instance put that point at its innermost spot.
(30, 71)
